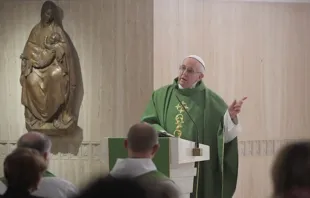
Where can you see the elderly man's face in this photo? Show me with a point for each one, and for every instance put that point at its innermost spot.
(190, 72)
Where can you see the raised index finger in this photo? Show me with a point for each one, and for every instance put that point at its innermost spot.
(244, 98)
(240, 102)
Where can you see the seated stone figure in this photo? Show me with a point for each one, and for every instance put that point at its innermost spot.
(48, 76)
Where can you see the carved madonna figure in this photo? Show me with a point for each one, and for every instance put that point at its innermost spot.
(47, 75)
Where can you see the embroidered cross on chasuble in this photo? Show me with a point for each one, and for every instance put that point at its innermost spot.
(179, 119)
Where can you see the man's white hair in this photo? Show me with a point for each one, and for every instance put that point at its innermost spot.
(199, 59)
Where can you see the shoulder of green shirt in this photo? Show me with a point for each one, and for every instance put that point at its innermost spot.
(154, 174)
(162, 89)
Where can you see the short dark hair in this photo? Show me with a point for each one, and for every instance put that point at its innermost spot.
(291, 168)
(23, 168)
(142, 137)
(35, 140)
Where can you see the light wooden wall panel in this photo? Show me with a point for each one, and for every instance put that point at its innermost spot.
(259, 50)
(113, 39)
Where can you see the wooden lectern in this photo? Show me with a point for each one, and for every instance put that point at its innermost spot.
(174, 158)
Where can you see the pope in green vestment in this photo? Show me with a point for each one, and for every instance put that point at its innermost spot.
(217, 125)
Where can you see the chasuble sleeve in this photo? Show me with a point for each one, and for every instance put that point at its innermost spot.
(227, 151)
(229, 161)
(150, 115)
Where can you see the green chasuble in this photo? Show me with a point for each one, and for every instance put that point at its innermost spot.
(216, 178)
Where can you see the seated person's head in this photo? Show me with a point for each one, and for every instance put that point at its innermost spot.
(142, 141)
(114, 188)
(23, 169)
(37, 141)
(291, 171)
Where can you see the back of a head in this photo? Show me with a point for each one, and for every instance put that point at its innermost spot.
(23, 168)
(291, 169)
(35, 140)
(142, 137)
(113, 187)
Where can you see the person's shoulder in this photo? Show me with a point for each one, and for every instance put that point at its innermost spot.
(158, 178)
(163, 88)
(95, 186)
(35, 30)
(159, 185)
(214, 96)
(58, 185)
(216, 102)
(36, 26)
(163, 91)
(169, 189)
(57, 181)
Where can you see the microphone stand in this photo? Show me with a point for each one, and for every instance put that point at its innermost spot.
(195, 151)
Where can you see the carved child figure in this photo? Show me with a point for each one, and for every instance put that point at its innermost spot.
(54, 50)
(55, 43)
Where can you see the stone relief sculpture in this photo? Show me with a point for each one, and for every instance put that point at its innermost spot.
(48, 76)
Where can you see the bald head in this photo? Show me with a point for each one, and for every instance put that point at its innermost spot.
(142, 137)
(35, 140)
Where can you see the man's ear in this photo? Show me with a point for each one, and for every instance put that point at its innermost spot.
(155, 149)
(126, 143)
(45, 155)
(201, 76)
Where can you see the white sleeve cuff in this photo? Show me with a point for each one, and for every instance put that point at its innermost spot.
(231, 130)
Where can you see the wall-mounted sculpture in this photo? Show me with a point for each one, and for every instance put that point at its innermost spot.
(48, 76)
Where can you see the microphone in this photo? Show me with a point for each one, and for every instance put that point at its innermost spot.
(164, 134)
(196, 151)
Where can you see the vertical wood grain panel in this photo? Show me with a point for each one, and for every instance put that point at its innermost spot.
(166, 42)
